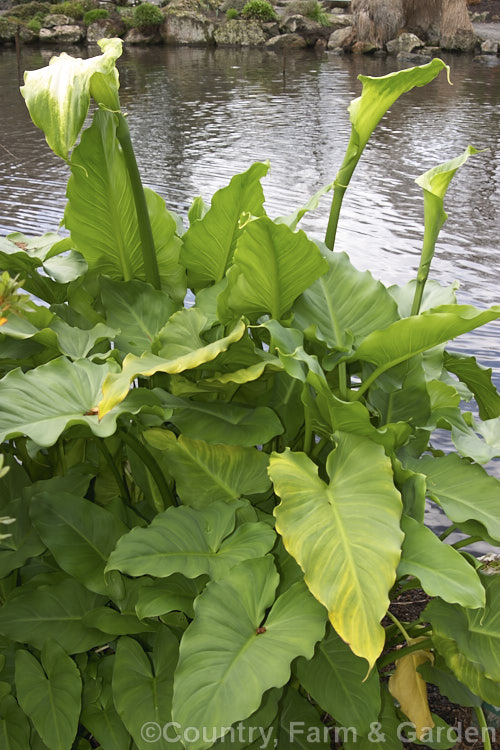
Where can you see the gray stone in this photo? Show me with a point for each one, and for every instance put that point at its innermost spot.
(479, 17)
(487, 59)
(432, 51)
(363, 48)
(240, 33)
(104, 28)
(463, 41)
(187, 28)
(489, 47)
(404, 43)
(270, 28)
(65, 34)
(415, 58)
(340, 38)
(290, 41)
(340, 21)
(54, 19)
(337, 51)
(137, 36)
(300, 25)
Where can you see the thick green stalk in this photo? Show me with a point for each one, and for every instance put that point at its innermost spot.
(481, 720)
(333, 221)
(145, 232)
(152, 466)
(428, 248)
(393, 656)
(399, 626)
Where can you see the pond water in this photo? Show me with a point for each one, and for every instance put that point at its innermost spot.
(198, 116)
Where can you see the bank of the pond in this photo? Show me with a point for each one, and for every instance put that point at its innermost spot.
(288, 24)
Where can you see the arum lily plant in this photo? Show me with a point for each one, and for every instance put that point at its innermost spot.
(209, 509)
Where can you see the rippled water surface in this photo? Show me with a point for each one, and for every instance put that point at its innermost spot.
(198, 116)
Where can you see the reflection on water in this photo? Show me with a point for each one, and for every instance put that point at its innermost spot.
(198, 116)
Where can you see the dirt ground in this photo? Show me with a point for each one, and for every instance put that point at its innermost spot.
(492, 7)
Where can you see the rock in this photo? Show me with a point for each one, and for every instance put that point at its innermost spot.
(404, 43)
(320, 44)
(187, 28)
(340, 38)
(363, 48)
(27, 35)
(139, 36)
(432, 51)
(489, 47)
(463, 41)
(486, 59)
(7, 30)
(479, 17)
(380, 53)
(300, 25)
(337, 51)
(270, 28)
(415, 58)
(290, 41)
(65, 33)
(339, 21)
(54, 19)
(240, 33)
(104, 28)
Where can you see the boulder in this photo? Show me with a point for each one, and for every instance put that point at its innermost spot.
(341, 38)
(414, 58)
(463, 41)
(489, 47)
(270, 28)
(142, 36)
(240, 33)
(104, 28)
(364, 48)
(339, 21)
(300, 25)
(65, 34)
(186, 27)
(290, 41)
(7, 30)
(487, 59)
(404, 43)
(55, 19)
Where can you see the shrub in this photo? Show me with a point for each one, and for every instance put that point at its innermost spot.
(96, 14)
(260, 10)
(146, 15)
(317, 13)
(73, 10)
(27, 11)
(34, 25)
(232, 14)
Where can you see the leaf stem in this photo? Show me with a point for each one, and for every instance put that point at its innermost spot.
(428, 249)
(154, 469)
(343, 381)
(464, 542)
(446, 533)
(399, 626)
(481, 720)
(333, 221)
(393, 656)
(146, 233)
(114, 468)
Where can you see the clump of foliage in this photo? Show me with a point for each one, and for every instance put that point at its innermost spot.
(215, 506)
(312, 9)
(147, 15)
(232, 14)
(258, 10)
(30, 10)
(34, 25)
(96, 14)
(75, 10)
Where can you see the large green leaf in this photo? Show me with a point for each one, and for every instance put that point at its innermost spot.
(383, 735)
(272, 266)
(464, 490)
(206, 473)
(191, 542)
(222, 422)
(410, 336)
(477, 440)
(80, 534)
(99, 715)
(58, 96)
(225, 647)
(101, 214)
(299, 725)
(50, 694)
(440, 675)
(14, 725)
(142, 687)
(478, 380)
(476, 632)
(116, 386)
(175, 593)
(42, 403)
(345, 535)
(344, 305)
(441, 570)
(138, 310)
(335, 679)
(209, 243)
(53, 610)
(259, 725)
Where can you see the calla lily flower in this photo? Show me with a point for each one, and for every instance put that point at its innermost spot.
(58, 96)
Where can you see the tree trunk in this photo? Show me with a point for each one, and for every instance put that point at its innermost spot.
(377, 21)
(456, 28)
(423, 18)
